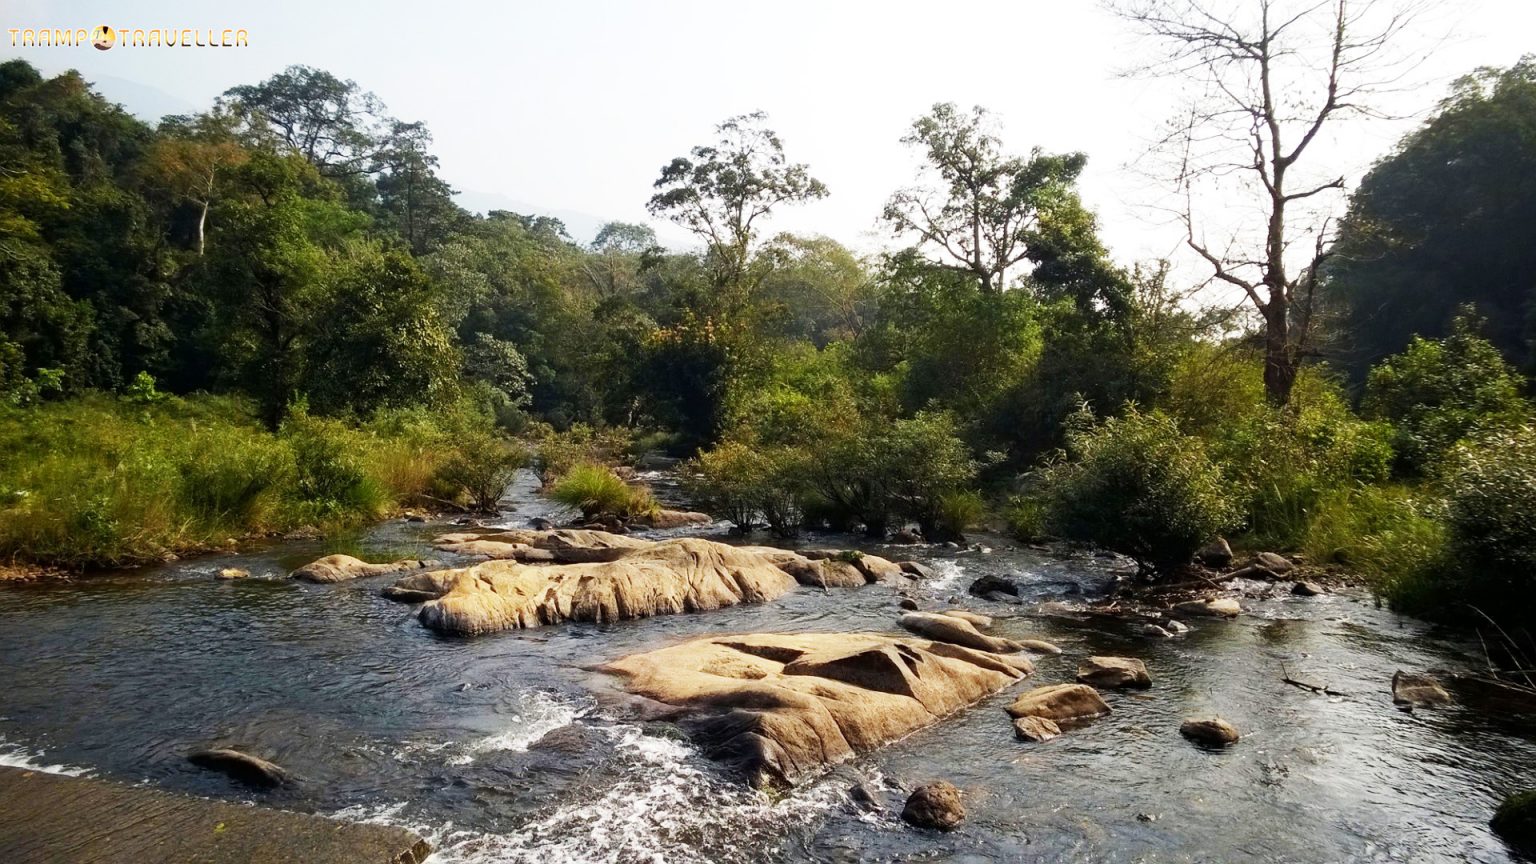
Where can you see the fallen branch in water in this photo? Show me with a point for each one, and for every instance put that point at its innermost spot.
(1322, 689)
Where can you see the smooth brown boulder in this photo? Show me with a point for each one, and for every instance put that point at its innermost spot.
(343, 568)
(492, 549)
(1305, 588)
(1036, 729)
(1418, 691)
(672, 576)
(958, 631)
(980, 622)
(229, 573)
(937, 805)
(1060, 702)
(665, 520)
(916, 570)
(1222, 607)
(1209, 731)
(248, 769)
(876, 568)
(1217, 553)
(777, 706)
(1113, 672)
(1274, 563)
(567, 545)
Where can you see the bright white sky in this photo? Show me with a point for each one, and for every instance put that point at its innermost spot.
(571, 107)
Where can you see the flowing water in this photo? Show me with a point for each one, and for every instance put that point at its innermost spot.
(506, 748)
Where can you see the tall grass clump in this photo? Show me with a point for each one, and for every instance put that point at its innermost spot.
(596, 491)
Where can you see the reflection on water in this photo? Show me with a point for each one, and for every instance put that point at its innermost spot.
(504, 749)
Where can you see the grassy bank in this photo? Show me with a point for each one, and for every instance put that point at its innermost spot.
(105, 480)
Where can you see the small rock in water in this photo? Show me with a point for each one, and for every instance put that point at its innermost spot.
(1155, 632)
(907, 537)
(1060, 702)
(1209, 731)
(1039, 646)
(1223, 607)
(1035, 728)
(994, 584)
(916, 570)
(1177, 628)
(937, 805)
(1146, 817)
(1413, 690)
(980, 622)
(863, 796)
(1307, 589)
(539, 523)
(234, 573)
(908, 603)
(1113, 672)
(250, 770)
(415, 517)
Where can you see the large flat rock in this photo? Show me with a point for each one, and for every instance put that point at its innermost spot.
(50, 819)
(778, 706)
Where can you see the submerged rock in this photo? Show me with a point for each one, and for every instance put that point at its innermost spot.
(937, 806)
(1032, 728)
(980, 622)
(682, 575)
(1209, 731)
(1113, 672)
(1038, 646)
(779, 705)
(956, 631)
(342, 568)
(907, 537)
(234, 573)
(916, 570)
(988, 585)
(1060, 702)
(908, 604)
(1307, 589)
(248, 769)
(876, 568)
(1416, 690)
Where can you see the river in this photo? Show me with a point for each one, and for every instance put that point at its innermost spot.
(504, 749)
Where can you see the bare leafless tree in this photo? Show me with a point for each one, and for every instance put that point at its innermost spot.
(1265, 78)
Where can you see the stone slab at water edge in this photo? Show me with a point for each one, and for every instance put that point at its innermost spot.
(650, 578)
(779, 705)
(79, 820)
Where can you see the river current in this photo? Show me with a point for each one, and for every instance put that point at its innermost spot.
(507, 748)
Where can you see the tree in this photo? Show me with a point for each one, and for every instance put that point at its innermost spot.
(983, 212)
(819, 289)
(721, 192)
(187, 157)
(414, 200)
(618, 253)
(1442, 221)
(332, 123)
(1267, 77)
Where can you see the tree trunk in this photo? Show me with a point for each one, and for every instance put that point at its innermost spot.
(202, 220)
(1279, 359)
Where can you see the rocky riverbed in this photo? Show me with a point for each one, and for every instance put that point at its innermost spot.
(525, 746)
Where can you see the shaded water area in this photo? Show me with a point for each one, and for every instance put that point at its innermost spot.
(505, 748)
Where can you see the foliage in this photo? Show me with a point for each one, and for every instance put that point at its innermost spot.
(1438, 392)
(556, 453)
(1137, 485)
(596, 491)
(1492, 526)
(482, 467)
(751, 486)
(1393, 535)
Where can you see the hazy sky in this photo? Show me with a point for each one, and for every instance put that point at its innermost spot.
(573, 105)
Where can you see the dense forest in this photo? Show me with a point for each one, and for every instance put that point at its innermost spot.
(273, 314)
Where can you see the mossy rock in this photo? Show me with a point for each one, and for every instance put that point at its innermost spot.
(1516, 820)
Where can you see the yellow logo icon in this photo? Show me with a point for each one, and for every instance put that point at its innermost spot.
(103, 37)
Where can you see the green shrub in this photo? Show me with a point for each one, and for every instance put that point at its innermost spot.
(596, 491)
(1136, 485)
(556, 453)
(749, 485)
(227, 471)
(1438, 392)
(1025, 517)
(481, 467)
(1393, 535)
(330, 470)
(1491, 520)
(957, 512)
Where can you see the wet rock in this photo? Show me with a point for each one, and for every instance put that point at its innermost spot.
(916, 570)
(665, 520)
(937, 806)
(539, 523)
(956, 631)
(876, 568)
(490, 549)
(248, 769)
(1209, 731)
(908, 536)
(567, 545)
(1154, 631)
(672, 576)
(304, 532)
(1038, 646)
(1307, 589)
(1113, 672)
(980, 622)
(1036, 729)
(415, 517)
(1177, 628)
(1515, 821)
(341, 568)
(908, 603)
(864, 797)
(1415, 690)
(1274, 563)
(1217, 553)
(234, 573)
(405, 594)
(989, 584)
(1221, 607)
(778, 705)
(1060, 702)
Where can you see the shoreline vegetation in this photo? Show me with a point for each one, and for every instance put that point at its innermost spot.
(212, 330)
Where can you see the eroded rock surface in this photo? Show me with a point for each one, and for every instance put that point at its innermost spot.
(779, 705)
(1062, 703)
(937, 805)
(342, 568)
(1113, 672)
(248, 769)
(566, 545)
(956, 631)
(1416, 690)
